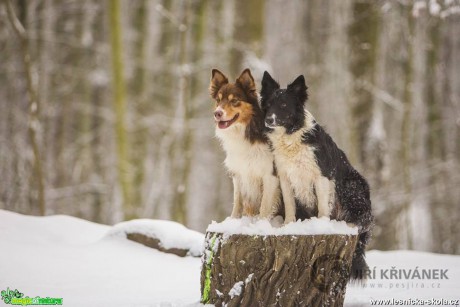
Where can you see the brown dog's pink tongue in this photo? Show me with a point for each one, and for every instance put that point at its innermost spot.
(223, 125)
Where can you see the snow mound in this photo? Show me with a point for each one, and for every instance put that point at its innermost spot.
(61, 256)
(70, 258)
(71, 229)
(170, 234)
(254, 226)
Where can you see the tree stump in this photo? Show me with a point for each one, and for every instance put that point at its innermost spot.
(276, 270)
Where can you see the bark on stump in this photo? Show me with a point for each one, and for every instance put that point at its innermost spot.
(287, 270)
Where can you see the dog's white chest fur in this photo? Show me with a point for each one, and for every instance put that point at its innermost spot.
(242, 156)
(249, 162)
(297, 163)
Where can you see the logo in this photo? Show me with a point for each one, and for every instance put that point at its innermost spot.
(17, 298)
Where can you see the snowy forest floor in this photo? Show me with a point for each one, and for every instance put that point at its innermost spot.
(62, 256)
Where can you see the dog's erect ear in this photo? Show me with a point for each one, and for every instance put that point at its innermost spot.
(246, 81)
(268, 86)
(218, 79)
(299, 88)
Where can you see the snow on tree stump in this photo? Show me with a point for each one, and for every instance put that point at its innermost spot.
(278, 267)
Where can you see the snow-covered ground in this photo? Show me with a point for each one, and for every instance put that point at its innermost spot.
(87, 265)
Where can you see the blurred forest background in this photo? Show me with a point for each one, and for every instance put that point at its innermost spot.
(105, 112)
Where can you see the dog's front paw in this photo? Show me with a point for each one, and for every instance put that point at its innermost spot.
(265, 214)
(289, 219)
(268, 217)
(235, 215)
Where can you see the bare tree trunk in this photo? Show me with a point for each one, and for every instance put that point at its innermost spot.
(182, 135)
(405, 236)
(150, 187)
(446, 213)
(420, 198)
(34, 105)
(120, 104)
(336, 85)
(138, 153)
(367, 110)
(46, 67)
(248, 25)
(281, 35)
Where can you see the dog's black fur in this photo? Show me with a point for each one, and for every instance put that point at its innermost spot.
(352, 197)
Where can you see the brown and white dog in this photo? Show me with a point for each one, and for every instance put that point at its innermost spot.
(240, 128)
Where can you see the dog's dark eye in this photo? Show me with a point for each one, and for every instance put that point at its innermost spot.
(234, 101)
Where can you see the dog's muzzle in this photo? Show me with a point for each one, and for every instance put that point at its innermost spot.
(270, 121)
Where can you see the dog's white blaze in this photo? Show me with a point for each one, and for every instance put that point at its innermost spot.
(297, 168)
(273, 116)
(252, 167)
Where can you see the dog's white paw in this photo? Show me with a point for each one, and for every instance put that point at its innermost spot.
(235, 215)
(289, 219)
(265, 214)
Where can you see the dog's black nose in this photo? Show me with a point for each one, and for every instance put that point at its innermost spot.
(218, 114)
(269, 121)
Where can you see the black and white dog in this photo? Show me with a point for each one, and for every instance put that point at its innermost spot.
(311, 168)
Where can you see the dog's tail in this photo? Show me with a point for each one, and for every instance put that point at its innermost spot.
(359, 267)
